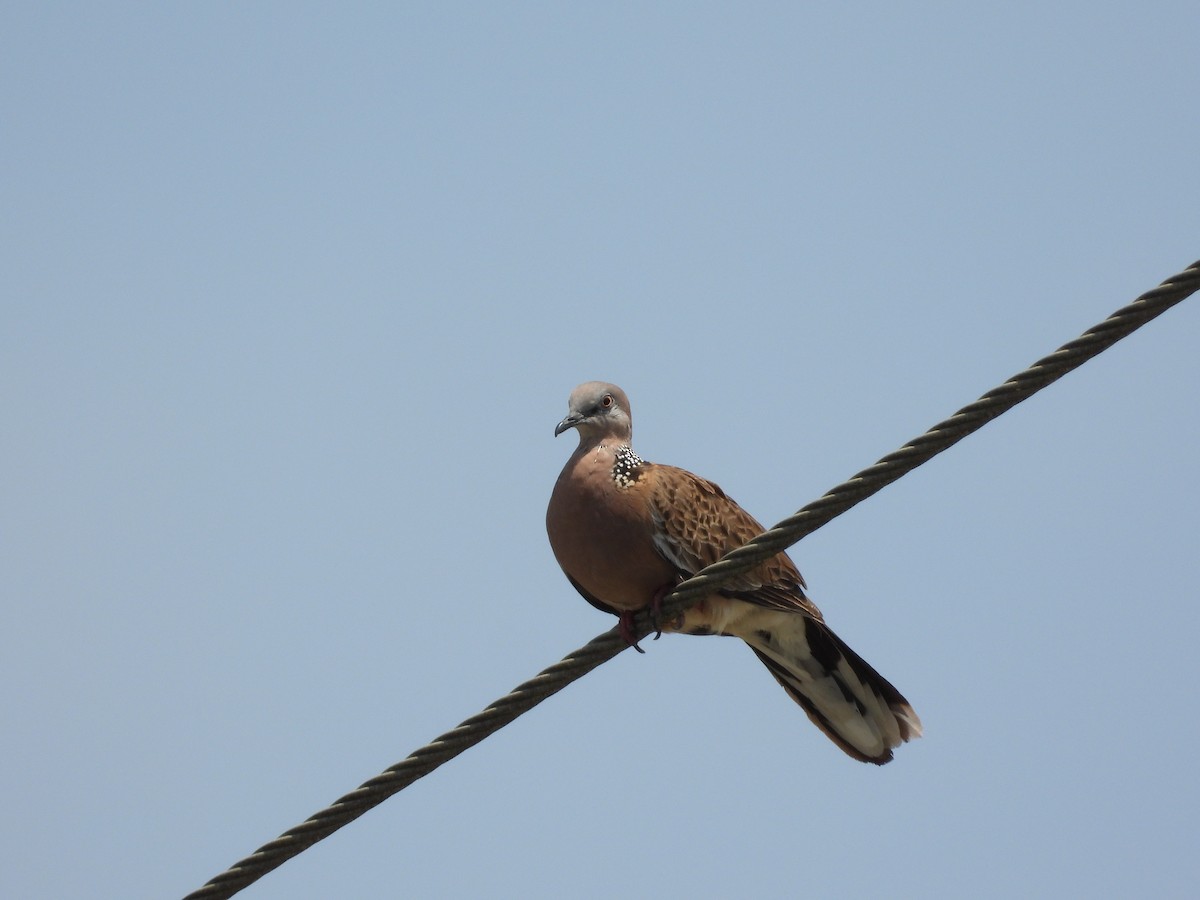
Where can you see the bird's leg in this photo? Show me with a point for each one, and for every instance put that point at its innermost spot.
(625, 629)
(655, 607)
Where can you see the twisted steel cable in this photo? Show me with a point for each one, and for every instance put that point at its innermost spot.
(604, 647)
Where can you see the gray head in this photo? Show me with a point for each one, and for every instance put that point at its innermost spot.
(598, 410)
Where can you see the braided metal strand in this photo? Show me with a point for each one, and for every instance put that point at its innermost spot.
(416, 765)
(602, 648)
(940, 437)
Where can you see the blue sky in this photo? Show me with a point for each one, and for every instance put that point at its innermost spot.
(293, 298)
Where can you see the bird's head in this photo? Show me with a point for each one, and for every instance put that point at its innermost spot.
(598, 410)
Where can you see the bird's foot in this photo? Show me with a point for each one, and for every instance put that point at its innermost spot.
(655, 609)
(625, 629)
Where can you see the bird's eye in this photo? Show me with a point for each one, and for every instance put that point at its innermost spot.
(607, 401)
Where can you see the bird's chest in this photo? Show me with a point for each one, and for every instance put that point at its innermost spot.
(601, 530)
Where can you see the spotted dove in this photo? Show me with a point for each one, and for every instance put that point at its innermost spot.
(626, 531)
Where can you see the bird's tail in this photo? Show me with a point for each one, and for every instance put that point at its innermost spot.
(853, 704)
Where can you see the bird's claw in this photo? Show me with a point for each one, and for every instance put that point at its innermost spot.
(653, 610)
(656, 609)
(625, 629)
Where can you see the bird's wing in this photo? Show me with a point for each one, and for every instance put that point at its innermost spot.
(695, 523)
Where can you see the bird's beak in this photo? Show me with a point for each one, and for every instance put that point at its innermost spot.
(567, 424)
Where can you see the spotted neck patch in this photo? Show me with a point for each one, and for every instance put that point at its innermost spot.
(627, 468)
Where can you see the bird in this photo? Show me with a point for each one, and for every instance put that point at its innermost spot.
(626, 531)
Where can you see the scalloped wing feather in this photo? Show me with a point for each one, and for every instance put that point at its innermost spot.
(696, 523)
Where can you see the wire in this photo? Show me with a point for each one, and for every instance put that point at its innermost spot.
(605, 646)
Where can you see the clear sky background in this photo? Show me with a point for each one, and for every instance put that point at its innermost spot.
(293, 297)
